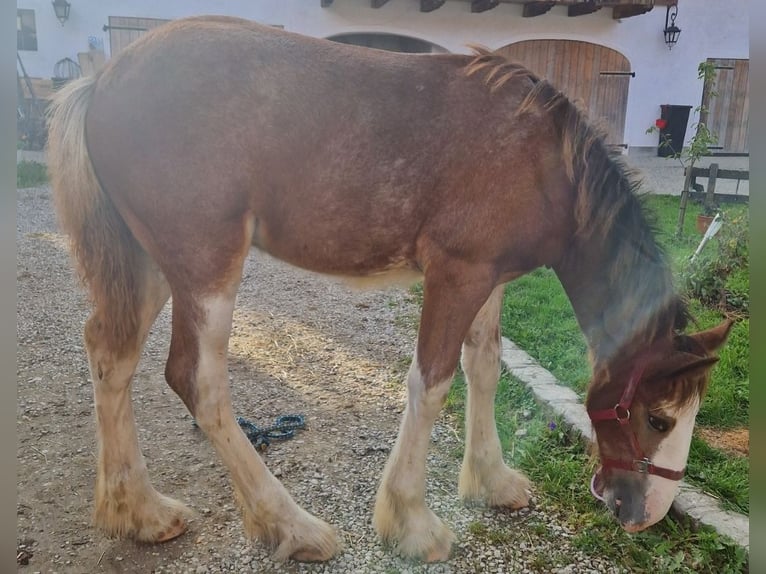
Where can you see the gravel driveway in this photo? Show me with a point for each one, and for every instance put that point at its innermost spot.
(300, 344)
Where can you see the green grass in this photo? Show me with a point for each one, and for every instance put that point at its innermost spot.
(727, 403)
(725, 476)
(538, 317)
(560, 469)
(30, 174)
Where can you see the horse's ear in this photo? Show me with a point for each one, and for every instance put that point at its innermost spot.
(685, 364)
(712, 339)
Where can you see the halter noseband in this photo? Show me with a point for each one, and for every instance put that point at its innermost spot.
(621, 413)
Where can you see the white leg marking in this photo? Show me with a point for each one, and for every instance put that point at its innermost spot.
(401, 516)
(270, 513)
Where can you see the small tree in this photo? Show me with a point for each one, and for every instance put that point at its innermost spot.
(700, 143)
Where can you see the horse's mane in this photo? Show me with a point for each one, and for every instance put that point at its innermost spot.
(608, 206)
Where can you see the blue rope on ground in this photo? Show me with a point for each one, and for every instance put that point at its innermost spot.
(284, 427)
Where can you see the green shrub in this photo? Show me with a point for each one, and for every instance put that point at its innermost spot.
(720, 278)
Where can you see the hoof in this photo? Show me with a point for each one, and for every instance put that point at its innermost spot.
(512, 491)
(413, 532)
(317, 542)
(503, 487)
(297, 536)
(176, 529)
(153, 519)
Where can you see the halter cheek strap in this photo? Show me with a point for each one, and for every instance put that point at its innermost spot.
(621, 413)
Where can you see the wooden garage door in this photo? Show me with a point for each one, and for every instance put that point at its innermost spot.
(596, 75)
(123, 30)
(728, 112)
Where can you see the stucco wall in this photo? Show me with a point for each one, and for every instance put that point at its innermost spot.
(710, 29)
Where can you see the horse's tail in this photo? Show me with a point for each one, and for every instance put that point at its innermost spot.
(108, 257)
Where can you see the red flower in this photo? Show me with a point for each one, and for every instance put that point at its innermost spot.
(660, 123)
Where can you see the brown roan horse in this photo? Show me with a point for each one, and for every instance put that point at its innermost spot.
(211, 135)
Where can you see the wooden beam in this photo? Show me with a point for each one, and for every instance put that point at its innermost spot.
(377, 3)
(629, 10)
(742, 174)
(483, 5)
(583, 8)
(710, 194)
(532, 9)
(430, 5)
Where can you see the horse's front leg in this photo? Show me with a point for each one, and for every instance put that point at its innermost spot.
(484, 476)
(401, 516)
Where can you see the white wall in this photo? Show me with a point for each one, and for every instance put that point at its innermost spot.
(710, 29)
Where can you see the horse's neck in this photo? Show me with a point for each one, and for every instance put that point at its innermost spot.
(611, 311)
(581, 276)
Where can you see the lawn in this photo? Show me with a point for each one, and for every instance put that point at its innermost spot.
(30, 174)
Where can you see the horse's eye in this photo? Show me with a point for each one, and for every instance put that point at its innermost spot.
(658, 424)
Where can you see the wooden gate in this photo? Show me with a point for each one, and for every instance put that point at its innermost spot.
(727, 113)
(596, 75)
(123, 30)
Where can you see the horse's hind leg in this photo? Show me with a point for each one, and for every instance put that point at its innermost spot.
(126, 504)
(484, 475)
(197, 370)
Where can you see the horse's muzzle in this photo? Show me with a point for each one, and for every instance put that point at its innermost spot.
(626, 497)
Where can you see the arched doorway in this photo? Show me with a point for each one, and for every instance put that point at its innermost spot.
(390, 42)
(596, 75)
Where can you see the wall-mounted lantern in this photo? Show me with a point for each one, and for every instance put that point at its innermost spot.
(672, 32)
(61, 7)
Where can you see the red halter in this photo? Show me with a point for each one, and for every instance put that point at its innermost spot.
(621, 413)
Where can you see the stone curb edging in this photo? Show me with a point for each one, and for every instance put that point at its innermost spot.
(700, 507)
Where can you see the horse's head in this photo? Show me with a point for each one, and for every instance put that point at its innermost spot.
(643, 414)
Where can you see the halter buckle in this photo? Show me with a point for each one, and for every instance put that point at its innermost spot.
(642, 465)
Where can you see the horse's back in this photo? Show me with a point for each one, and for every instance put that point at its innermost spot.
(342, 155)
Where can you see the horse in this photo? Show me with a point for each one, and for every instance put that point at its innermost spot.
(212, 135)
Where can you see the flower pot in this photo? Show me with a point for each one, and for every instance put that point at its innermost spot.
(703, 222)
